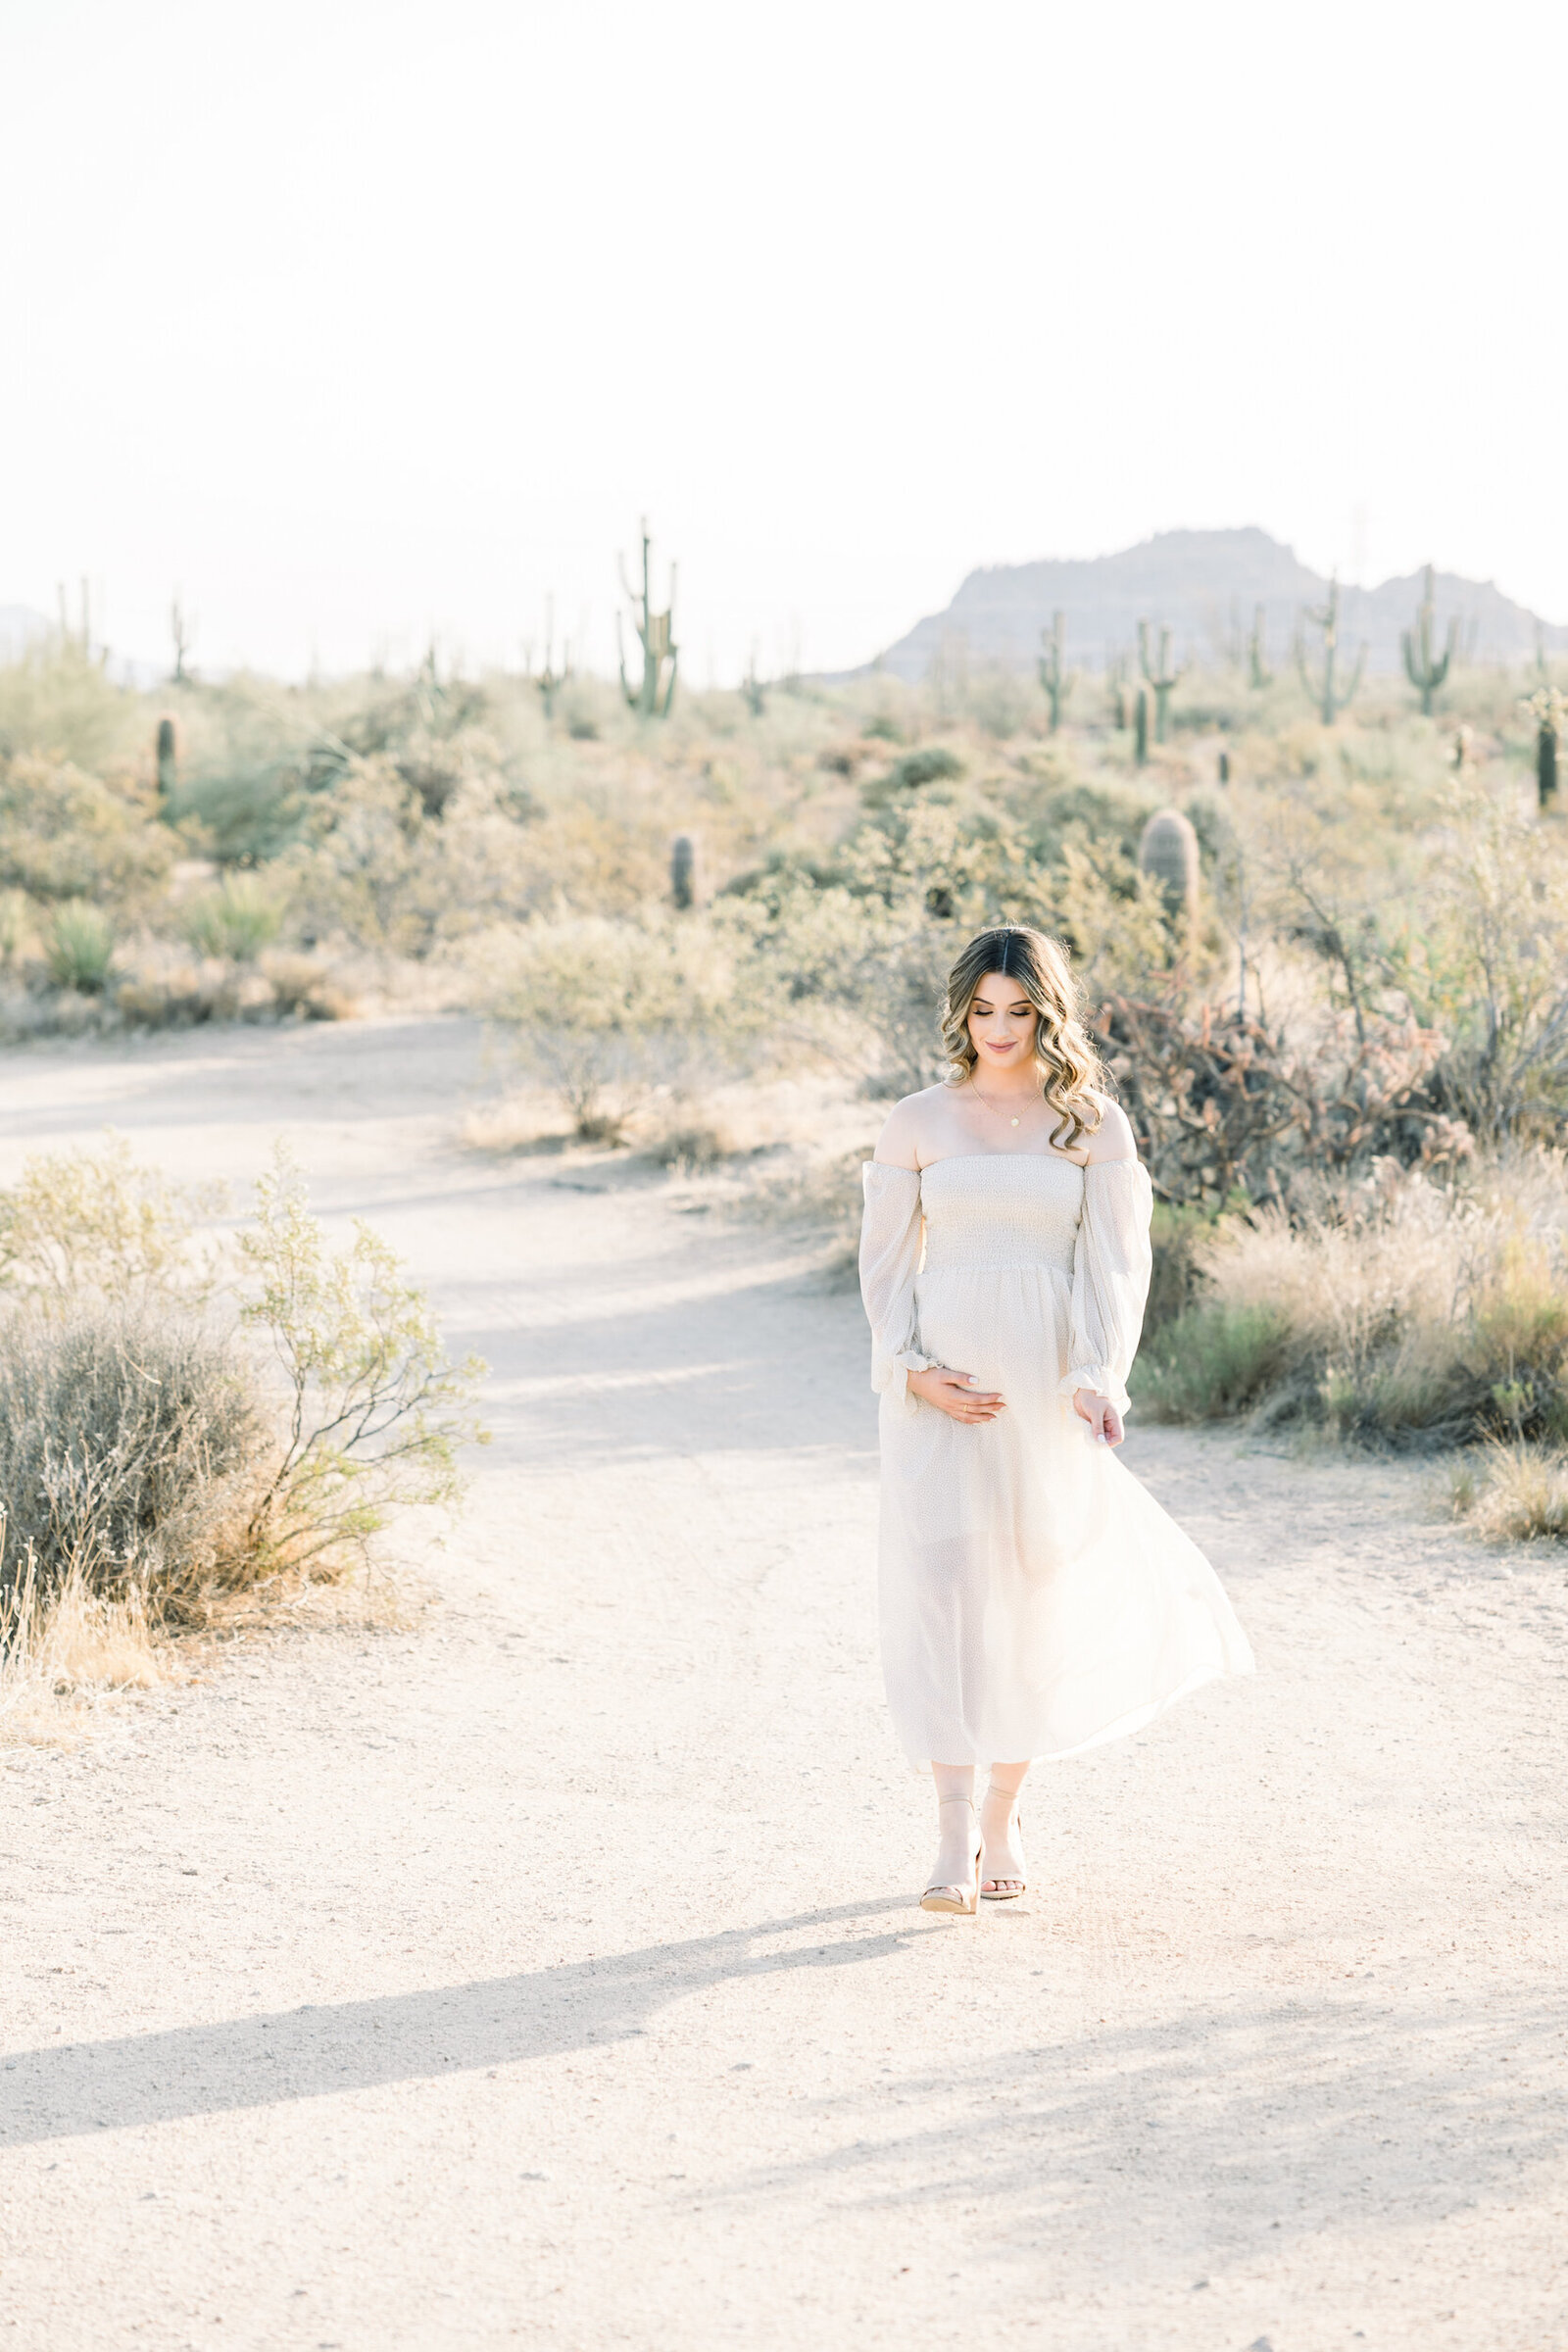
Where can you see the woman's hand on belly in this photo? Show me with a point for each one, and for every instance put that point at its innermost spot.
(1104, 1422)
(955, 1395)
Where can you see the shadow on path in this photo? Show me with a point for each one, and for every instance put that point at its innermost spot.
(360, 2045)
(1237, 2124)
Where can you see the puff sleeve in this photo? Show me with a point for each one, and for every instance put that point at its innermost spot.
(892, 1234)
(1111, 1265)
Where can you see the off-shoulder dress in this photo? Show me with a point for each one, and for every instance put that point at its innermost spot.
(1033, 1597)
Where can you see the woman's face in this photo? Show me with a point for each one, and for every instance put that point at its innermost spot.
(1001, 1024)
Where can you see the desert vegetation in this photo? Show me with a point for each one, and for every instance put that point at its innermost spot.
(199, 1418)
(1320, 918)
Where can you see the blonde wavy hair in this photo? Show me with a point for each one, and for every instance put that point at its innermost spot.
(1065, 1061)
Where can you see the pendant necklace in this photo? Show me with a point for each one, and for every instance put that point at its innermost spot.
(990, 1106)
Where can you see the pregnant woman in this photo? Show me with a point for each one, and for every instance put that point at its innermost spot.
(1035, 1599)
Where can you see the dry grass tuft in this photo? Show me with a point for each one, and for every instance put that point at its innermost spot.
(517, 1123)
(1390, 1311)
(63, 1648)
(686, 1142)
(1512, 1494)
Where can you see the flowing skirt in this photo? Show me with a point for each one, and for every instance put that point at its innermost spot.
(1033, 1597)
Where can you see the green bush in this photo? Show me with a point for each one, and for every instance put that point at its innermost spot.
(1211, 1363)
(1176, 1232)
(79, 946)
(237, 920)
(374, 1412)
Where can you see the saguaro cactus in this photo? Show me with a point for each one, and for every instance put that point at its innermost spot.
(1426, 670)
(1326, 691)
(1116, 687)
(551, 681)
(654, 696)
(181, 634)
(1161, 675)
(683, 871)
(166, 756)
(751, 687)
(1259, 672)
(1055, 676)
(1168, 851)
(1548, 708)
(1141, 727)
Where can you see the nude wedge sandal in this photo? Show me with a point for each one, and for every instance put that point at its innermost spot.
(957, 1901)
(1009, 1888)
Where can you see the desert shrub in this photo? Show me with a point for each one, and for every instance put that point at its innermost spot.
(164, 990)
(64, 834)
(92, 1225)
(373, 866)
(78, 946)
(307, 986)
(851, 960)
(685, 1140)
(129, 1446)
(1390, 1309)
(1222, 1105)
(1512, 1493)
(1211, 1361)
(373, 1412)
(238, 918)
(147, 1447)
(936, 764)
(245, 811)
(58, 701)
(1176, 1232)
(1490, 967)
(610, 1013)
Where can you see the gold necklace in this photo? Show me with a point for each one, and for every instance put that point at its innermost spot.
(990, 1106)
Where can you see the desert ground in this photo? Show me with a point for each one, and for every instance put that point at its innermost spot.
(545, 1968)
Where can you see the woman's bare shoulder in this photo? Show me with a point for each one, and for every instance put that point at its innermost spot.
(909, 1126)
(1113, 1138)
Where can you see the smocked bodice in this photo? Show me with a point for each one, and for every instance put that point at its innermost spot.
(984, 1210)
(983, 1214)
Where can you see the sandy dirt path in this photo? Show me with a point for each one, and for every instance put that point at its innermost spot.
(550, 1973)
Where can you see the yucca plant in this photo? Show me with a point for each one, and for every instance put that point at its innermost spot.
(238, 918)
(78, 946)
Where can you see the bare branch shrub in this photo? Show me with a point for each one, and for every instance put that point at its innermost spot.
(129, 1450)
(373, 1412)
(609, 1013)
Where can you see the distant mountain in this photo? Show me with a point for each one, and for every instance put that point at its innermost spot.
(1204, 587)
(18, 627)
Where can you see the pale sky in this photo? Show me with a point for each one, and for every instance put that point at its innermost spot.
(359, 321)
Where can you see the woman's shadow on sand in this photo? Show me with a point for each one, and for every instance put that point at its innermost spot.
(312, 2052)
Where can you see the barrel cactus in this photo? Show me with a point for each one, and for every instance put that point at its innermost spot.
(1169, 852)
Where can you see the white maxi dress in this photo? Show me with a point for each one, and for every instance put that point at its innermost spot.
(1033, 1597)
